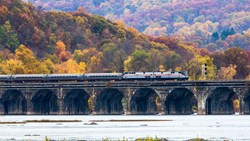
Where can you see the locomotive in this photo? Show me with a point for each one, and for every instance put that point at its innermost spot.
(168, 75)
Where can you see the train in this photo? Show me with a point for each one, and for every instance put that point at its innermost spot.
(168, 75)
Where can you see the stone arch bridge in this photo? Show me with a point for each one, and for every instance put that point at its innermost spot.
(128, 97)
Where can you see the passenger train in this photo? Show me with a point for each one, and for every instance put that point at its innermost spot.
(169, 75)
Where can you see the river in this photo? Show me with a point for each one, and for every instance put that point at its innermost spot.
(174, 128)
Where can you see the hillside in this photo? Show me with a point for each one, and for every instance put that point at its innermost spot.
(35, 41)
(208, 23)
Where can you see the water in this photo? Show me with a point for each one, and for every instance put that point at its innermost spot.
(231, 127)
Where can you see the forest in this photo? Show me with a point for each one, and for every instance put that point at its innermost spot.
(211, 24)
(35, 40)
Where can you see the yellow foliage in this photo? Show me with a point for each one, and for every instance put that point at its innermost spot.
(189, 49)
(236, 105)
(24, 54)
(70, 67)
(227, 72)
(82, 66)
(134, 31)
(178, 69)
(159, 46)
(94, 63)
(195, 68)
(126, 64)
(12, 67)
(79, 20)
(91, 103)
(120, 24)
(50, 65)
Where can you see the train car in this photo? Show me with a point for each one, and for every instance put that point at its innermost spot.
(64, 77)
(5, 78)
(102, 76)
(169, 75)
(28, 77)
(137, 75)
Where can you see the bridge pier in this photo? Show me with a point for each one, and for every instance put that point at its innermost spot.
(201, 93)
(242, 94)
(60, 93)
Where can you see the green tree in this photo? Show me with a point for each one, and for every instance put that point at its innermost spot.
(108, 50)
(99, 25)
(139, 60)
(10, 39)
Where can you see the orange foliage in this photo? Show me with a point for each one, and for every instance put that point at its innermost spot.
(3, 10)
(60, 47)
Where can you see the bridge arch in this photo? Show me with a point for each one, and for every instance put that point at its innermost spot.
(45, 102)
(14, 103)
(109, 101)
(220, 101)
(76, 102)
(143, 101)
(245, 109)
(180, 101)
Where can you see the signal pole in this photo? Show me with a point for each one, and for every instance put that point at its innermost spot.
(204, 71)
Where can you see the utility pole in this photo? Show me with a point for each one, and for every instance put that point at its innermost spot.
(204, 71)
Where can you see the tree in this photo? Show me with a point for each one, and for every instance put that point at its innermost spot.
(99, 25)
(13, 66)
(239, 57)
(154, 60)
(194, 68)
(70, 66)
(227, 72)
(139, 60)
(172, 60)
(118, 61)
(94, 64)
(10, 39)
(50, 65)
(64, 56)
(60, 47)
(108, 50)
(25, 55)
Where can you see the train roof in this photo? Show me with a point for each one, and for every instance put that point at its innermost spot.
(102, 74)
(65, 75)
(28, 75)
(153, 72)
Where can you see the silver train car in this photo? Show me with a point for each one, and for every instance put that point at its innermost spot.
(169, 75)
(94, 77)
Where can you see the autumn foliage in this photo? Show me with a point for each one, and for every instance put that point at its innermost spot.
(36, 41)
